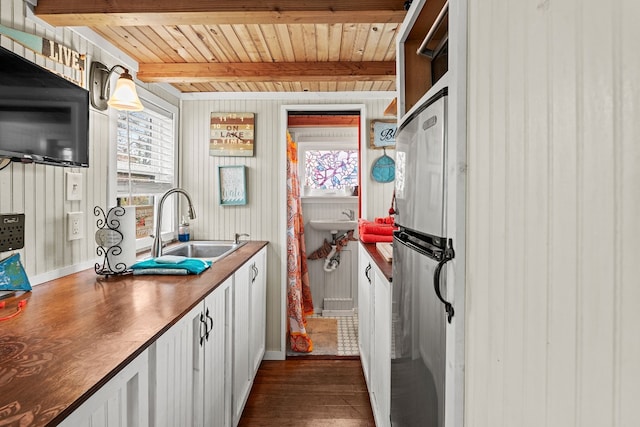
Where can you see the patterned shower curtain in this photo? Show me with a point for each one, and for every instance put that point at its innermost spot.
(299, 303)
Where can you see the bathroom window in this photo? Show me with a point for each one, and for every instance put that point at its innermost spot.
(328, 168)
(331, 169)
(146, 164)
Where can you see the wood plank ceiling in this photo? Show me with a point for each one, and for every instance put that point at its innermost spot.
(249, 45)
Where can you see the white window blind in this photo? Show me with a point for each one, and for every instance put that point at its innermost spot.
(146, 165)
(146, 152)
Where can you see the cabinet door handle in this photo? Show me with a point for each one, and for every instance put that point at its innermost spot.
(255, 273)
(366, 272)
(202, 325)
(209, 327)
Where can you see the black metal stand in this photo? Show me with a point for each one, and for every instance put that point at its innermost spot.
(109, 238)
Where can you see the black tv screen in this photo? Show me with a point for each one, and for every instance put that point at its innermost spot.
(43, 117)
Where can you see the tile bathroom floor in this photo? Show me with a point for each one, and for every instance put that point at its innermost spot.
(347, 334)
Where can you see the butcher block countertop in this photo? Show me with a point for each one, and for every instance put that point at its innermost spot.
(384, 265)
(77, 332)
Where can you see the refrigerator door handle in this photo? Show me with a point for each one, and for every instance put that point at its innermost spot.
(449, 254)
(433, 252)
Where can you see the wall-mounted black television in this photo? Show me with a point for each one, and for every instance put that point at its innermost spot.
(44, 118)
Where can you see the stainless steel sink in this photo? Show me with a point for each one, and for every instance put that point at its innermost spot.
(204, 249)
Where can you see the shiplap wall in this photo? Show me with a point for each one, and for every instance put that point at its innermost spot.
(261, 216)
(553, 289)
(38, 191)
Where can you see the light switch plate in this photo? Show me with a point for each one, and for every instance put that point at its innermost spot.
(75, 225)
(74, 186)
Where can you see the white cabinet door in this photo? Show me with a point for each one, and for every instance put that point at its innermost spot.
(176, 365)
(241, 321)
(365, 284)
(191, 365)
(217, 357)
(380, 384)
(374, 334)
(123, 401)
(258, 272)
(249, 333)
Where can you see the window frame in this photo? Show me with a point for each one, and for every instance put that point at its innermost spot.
(170, 210)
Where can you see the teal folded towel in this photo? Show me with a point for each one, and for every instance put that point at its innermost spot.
(170, 259)
(162, 264)
(165, 271)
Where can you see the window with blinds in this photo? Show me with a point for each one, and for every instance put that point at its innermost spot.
(146, 161)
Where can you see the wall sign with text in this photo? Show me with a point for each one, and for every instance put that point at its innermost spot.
(51, 50)
(232, 185)
(232, 134)
(383, 133)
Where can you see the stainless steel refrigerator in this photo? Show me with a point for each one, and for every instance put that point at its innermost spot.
(421, 249)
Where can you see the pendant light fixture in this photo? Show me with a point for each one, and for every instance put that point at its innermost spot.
(124, 96)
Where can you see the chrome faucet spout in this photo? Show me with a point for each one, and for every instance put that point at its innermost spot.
(236, 237)
(350, 213)
(156, 248)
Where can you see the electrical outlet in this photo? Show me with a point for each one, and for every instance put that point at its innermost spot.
(74, 186)
(75, 225)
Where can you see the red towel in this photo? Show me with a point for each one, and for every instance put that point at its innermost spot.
(372, 232)
(375, 238)
(383, 230)
(368, 227)
(385, 220)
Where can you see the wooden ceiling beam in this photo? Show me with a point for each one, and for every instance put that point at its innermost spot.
(205, 12)
(267, 72)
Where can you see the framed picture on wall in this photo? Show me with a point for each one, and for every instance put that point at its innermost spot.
(383, 134)
(232, 185)
(232, 134)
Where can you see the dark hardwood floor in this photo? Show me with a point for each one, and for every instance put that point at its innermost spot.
(308, 393)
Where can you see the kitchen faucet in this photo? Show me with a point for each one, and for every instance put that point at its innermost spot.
(349, 213)
(236, 239)
(156, 248)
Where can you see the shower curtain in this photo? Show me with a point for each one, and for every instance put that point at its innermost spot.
(299, 302)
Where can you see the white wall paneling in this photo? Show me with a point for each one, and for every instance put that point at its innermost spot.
(552, 280)
(38, 190)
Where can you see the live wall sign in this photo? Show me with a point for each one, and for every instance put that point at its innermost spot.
(52, 50)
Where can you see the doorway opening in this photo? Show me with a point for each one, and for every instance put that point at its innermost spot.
(328, 141)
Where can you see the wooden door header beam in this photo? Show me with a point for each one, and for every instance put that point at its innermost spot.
(267, 72)
(203, 12)
(320, 121)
